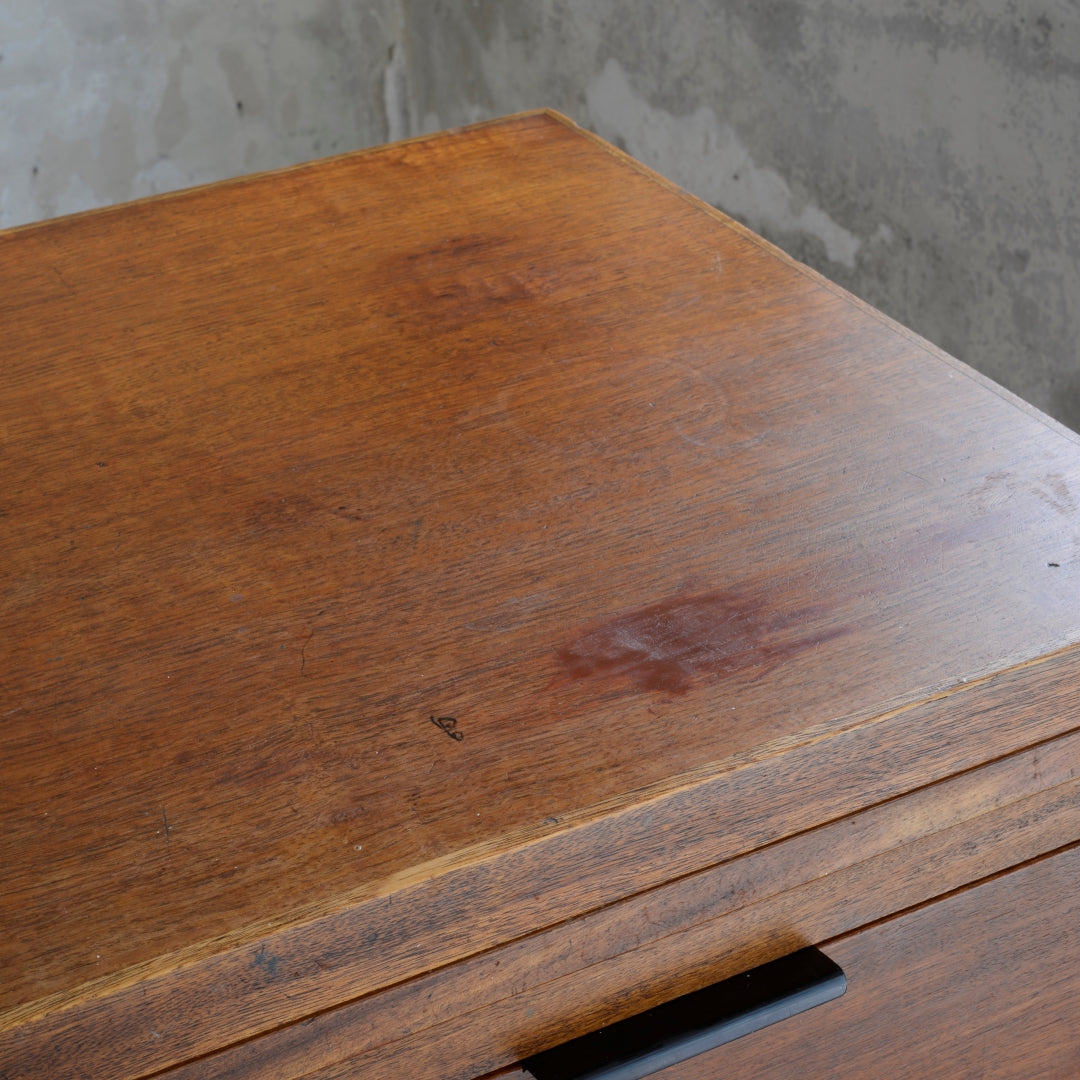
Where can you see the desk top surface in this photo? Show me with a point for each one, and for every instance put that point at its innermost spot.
(373, 529)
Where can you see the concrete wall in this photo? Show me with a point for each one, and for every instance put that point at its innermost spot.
(923, 153)
(107, 100)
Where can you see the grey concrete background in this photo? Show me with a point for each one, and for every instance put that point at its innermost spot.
(923, 153)
(107, 100)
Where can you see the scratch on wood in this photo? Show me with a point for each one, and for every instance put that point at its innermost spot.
(166, 827)
(63, 280)
(303, 650)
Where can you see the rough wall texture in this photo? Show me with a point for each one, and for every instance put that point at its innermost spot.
(923, 154)
(107, 100)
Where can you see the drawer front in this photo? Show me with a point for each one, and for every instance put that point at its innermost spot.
(503, 1005)
(983, 983)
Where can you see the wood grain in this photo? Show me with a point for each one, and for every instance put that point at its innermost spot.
(493, 427)
(587, 973)
(985, 983)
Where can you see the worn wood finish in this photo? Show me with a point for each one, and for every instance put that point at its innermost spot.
(587, 973)
(985, 983)
(411, 551)
(397, 934)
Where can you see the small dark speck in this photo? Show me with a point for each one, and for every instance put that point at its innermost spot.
(239, 106)
(34, 171)
(1053, 564)
(101, 464)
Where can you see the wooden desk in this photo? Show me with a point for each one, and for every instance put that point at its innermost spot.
(461, 594)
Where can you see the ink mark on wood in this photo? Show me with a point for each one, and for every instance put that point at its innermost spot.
(449, 725)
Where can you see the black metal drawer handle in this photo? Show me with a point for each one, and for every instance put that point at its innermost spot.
(690, 1025)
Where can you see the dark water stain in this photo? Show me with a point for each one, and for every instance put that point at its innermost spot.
(670, 645)
(266, 961)
(465, 279)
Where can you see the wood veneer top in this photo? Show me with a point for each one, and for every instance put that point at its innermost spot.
(376, 519)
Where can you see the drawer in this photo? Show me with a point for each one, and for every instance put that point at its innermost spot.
(982, 983)
(503, 1004)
